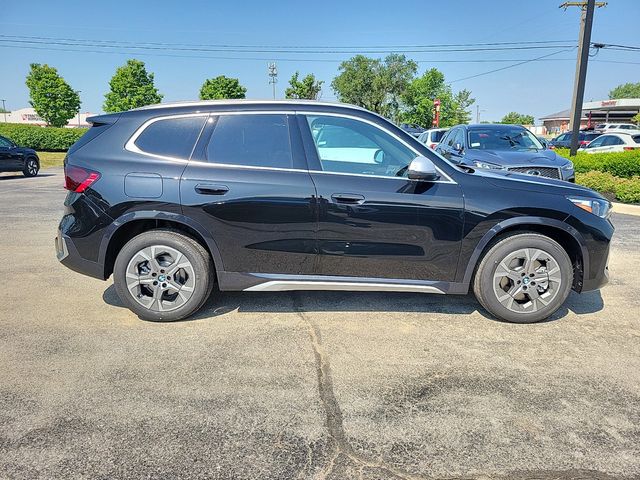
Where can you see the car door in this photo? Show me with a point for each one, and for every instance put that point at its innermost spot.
(613, 144)
(374, 222)
(9, 160)
(247, 183)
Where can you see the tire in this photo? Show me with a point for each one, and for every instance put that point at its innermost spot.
(522, 287)
(155, 256)
(31, 167)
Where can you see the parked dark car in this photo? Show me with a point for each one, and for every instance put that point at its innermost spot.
(295, 195)
(18, 159)
(503, 147)
(564, 140)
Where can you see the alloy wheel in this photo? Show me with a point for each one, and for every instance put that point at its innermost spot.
(32, 167)
(527, 280)
(160, 278)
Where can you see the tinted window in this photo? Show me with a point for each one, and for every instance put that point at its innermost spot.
(597, 142)
(636, 138)
(351, 146)
(612, 140)
(251, 140)
(591, 136)
(4, 143)
(171, 137)
(451, 138)
(436, 136)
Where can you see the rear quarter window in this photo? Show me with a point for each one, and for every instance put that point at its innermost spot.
(171, 137)
(636, 138)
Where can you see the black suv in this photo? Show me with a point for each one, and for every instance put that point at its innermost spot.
(295, 195)
(18, 159)
(506, 147)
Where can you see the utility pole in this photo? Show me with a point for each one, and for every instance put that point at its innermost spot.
(4, 110)
(584, 43)
(273, 76)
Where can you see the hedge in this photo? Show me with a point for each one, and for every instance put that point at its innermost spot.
(41, 138)
(620, 164)
(625, 190)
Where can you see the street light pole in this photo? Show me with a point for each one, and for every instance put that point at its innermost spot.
(273, 76)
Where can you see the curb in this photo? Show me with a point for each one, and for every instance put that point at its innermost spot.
(625, 209)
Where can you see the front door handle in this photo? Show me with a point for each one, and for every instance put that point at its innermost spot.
(211, 189)
(348, 198)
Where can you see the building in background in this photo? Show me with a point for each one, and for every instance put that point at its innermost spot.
(30, 117)
(602, 111)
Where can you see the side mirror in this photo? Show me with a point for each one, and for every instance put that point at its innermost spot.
(544, 143)
(458, 147)
(421, 168)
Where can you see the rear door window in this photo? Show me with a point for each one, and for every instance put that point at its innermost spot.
(171, 137)
(258, 140)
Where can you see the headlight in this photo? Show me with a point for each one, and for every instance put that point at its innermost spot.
(567, 166)
(598, 207)
(485, 165)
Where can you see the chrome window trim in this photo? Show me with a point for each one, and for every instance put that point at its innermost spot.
(288, 285)
(354, 117)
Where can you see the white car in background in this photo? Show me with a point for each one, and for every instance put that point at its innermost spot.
(432, 136)
(605, 127)
(618, 141)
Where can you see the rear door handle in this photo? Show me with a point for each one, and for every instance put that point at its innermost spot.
(211, 189)
(348, 198)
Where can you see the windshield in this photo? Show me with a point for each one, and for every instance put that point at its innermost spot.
(503, 138)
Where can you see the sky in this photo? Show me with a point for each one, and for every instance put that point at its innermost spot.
(345, 27)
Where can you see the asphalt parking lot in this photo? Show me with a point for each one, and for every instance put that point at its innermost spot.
(306, 385)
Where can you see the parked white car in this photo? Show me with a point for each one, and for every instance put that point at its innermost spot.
(614, 142)
(605, 127)
(432, 136)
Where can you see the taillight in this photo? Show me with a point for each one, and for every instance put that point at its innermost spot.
(629, 148)
(433, 146)
(583, 142)
(78, 179)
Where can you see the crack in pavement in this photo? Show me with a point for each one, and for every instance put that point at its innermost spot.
(334, 420)
(342, 446)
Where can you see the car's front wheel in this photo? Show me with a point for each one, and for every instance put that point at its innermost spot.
(524, 278)
(163, 276)
(31, 167)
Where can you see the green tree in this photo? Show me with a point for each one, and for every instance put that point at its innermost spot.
(516, 118)
(626, 90)
(131, 87)
(636, 119)
(222, 87)
(375, 84)
(308, 87)
(51, 97)
(422, 91)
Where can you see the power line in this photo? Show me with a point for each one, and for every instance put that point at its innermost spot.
(270, 50)
(296, 47)
(510, 66)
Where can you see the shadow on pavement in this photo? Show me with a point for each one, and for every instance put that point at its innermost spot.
(221, 303)
(20, 175)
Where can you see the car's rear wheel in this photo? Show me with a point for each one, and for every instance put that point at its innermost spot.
(163, 275)
(31, 167)
(524, 278)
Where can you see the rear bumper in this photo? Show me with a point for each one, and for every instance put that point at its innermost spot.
(68, 255)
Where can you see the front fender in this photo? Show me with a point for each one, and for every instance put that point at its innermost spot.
(469, 268)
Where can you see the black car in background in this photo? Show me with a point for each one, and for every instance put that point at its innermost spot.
(564, 140)
(512, 148)
(18, 159)
(303, 195)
